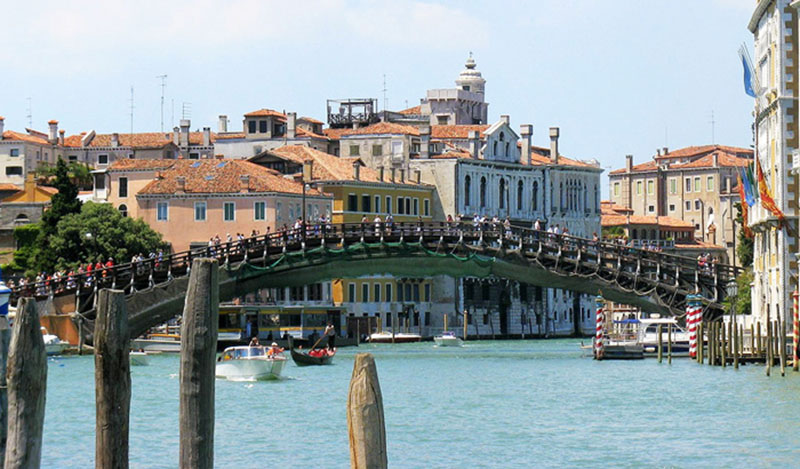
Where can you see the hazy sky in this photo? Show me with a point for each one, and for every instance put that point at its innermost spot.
(618, 77)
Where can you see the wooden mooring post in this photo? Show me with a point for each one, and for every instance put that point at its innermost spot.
(700, 342)
(669, 343)
(768, 348)
(27, 387)
(723, 340)
(737, 341)
(781, 327)
(759, 341)
(5, 339)
(660, 343)
(198, 353)
(366, 427)
(112, 380)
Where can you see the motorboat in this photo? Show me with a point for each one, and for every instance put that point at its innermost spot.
(385, 337)
(170, 343)
(139, 358)
(53, 344)
(448, 339)
(648, 337)
(246, 363)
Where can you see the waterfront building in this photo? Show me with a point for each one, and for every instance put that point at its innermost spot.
(22, 153)
(265, 129)
(696, 184)
(21, 208)
(384, 144)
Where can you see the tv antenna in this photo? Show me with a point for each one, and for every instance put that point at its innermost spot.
(385, 101)
(186, 110)
(30, 114)
(163, 86)
(132, 109)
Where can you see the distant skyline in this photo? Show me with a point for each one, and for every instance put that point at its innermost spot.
(618, 77)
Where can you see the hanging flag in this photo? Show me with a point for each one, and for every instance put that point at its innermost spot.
(747, 179)
(766, 196)
(743, 200)
(749, 74)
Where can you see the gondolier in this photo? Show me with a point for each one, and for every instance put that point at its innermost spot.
(330, 331)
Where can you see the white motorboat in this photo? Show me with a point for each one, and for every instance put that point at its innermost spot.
(53, 344)
(139, 358)
(389, 338)
(648, 337)
(244, 363)
(448, 339)
(170, 343)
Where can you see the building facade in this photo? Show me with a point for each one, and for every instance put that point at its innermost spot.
(265, 129)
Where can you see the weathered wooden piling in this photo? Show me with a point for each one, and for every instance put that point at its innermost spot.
(365, 422)
(669, 343)
(112, 377)
(27, 386)
(768, 348)
(759, 341)
(781, 326)
(700, 342)
(198, 352)
(723, 340)
(5, 339)
(711, 342)
(659, 343)
(737, 341)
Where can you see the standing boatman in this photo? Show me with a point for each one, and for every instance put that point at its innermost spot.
(330, 331)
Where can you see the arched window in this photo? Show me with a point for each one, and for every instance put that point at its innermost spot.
(585, 198)
(502, 193)
(467, 192)
(123, 209)
(561, 196)
(633, 234)
(596, 200)
(535, 196)
(494, 148)
(21, 219)
(519, 196)
(483, 192)
(507, 143)
(502, 136)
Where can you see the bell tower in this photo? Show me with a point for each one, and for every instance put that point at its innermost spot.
(470, 78)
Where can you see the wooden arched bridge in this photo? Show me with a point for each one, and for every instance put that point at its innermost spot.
(156, 287)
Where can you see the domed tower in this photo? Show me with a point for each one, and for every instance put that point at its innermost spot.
(470, 79)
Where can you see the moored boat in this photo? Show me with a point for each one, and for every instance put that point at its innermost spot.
(389, 338)
(53, 344)
(170, 343)
(320, 356)
(448, 339)
(139, 358)
(245, 363)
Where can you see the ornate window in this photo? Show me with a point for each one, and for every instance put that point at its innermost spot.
(467, 192)
(483, 192)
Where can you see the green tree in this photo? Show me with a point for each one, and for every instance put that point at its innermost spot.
(98, 232)
(63, 203)
(744, 246)
(744, 253)
(26, 237)
(79, 173)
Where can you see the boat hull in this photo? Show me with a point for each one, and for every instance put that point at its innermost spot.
(56, 348)
(250, 369)
(139, 359)
(302, 359)
(156, 345)
(401, 338)
(448, 342)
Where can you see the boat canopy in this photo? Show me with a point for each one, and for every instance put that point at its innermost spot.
(626, 321)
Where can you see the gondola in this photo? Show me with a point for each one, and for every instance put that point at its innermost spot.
(304, 359)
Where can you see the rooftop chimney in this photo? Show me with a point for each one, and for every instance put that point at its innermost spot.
(87, 139)
(425, 142)
(244, 183)
(53, 137)
(60, 136)
(181, 180)
(176, 135)
(308, 170)
(554, 132)
(665, 151)
(2, 124)
(474, 143)
(356, 170)
(291, 124)
(402, 176)
(715, 160)
(506, 119)
(185, 124)
(222, 126)
(206, 136)
(392, 174)
(629, 163)
(115, 140)
(380, 173)
(658, 152)
(417, 176)
(526, 130)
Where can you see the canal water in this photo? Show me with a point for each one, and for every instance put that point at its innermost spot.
(489, 404)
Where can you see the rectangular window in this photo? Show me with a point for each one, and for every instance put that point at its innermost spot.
(351, 292)
(260, 211)
(199, 211)
(229, 211)
(697, 204)
(123, 187)
(14, 152)
(408, 205)
(688, 184)
(162, 211)
(102, 159)
(426, 207)
(688, 205)
(673, 186)
(416, 206)
(416, 292)
(365, 203)
(354, 150)
(278, 211)
(376, 293)
(194, 156)
(352, 203)
(651, 208)
(400, 292)
(262, 127)
(638, 187)
(72, 158)
(710, 184)
(251, 127)
(13, 170)
(377, 204)
(651, 187)
(388, 204)
(365, 293)
(377, 150)
(388, 297)
(671, 207)
(697, 184)
(427, 292)
(408, 292)
(401, 206)
(428, 318)
(616, 189)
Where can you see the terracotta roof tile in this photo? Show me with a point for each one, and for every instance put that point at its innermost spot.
(382, 128)
(230, 136)
(266, 113)
(699, 150)
(707, 161)
(127, 164)
(221, 177)
(460, 132)
(334, 134)
(326, 167)
(643, 167)
(16, 136)
(310, 120)
(416, 110)
(9, 187)
(610, 208)
(664, 222)
(698, 156)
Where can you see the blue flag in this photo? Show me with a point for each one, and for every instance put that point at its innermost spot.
(748, 77)
(748, 187)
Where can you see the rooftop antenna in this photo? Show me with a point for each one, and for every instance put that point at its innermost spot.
(172, 120)
(712, 127)
(132, 109)
(163, 86)
(30, 114)
(186, 110)
(385, 101)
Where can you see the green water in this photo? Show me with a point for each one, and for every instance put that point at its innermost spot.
(489, 404)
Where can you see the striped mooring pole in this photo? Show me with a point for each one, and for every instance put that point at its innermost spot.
(795, 330)
(600, 323)
(693, 312)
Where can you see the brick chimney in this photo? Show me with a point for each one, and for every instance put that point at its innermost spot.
(244, 183)
(206, 136)
(425, 142)
(114, 140)
(60, 137)
(715, 160)
(356, 170)
(628, 163)
(380, 173)
(554, 132)
(185, 124)
(181, 180)
(308, 170)
(222, 125)
(474, 143)
(2, 126)
(53, 136)
(506, 119)
(291, 124)
(526, 131)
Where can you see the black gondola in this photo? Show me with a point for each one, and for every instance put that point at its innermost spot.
(304, 359)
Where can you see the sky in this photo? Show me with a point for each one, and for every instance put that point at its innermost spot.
(618, 77)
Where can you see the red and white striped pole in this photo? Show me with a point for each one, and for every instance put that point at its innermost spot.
(795, 331)
(691, 321)
(600, 324)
